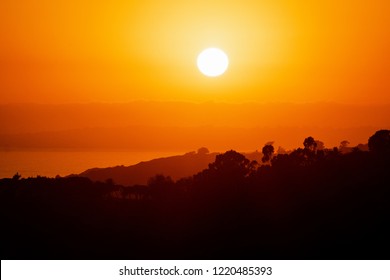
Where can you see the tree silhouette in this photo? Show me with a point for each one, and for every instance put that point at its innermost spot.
(17, 176)
(310, 144)
(267, 151)
(232, 163)
(203, 151)
(344, 146)
(380, 142)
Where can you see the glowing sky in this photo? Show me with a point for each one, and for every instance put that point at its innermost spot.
(279, 50)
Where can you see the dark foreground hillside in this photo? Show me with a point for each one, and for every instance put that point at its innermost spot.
(309, 204)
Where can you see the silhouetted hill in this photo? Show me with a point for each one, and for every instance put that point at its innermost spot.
(310, 203)
(175, 166)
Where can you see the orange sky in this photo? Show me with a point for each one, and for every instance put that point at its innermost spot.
(279, 50)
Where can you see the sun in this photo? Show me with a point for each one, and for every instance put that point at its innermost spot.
(212, 62)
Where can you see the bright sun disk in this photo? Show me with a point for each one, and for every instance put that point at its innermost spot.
(212, 62)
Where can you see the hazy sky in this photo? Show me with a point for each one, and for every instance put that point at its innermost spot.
(279, 50)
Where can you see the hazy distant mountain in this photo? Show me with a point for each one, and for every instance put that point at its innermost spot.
(181, 126)
(175, 166)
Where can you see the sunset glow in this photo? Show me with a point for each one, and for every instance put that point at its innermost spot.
(71, 71)
(283, 51)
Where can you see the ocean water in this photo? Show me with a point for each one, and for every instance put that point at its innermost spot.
(52, 163)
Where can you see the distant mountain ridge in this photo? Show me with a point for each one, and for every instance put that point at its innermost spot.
(176, 167)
